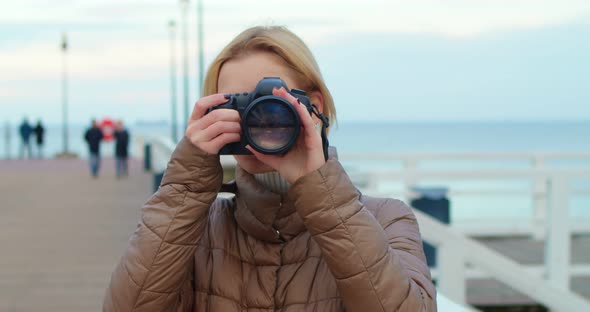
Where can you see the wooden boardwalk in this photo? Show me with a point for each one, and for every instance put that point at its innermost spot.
(62, 232)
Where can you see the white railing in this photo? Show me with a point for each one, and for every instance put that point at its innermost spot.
(556, 224)
(532, 166)
(461, 257)
(542, 179)
(455, 251)
(536, 160)
(161, 149)
(444, 304)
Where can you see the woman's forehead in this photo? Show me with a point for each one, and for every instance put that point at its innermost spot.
(243, 73)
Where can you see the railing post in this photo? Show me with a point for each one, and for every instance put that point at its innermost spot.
(539, 201)
(147, 157)
(451, 268)
(558, 244)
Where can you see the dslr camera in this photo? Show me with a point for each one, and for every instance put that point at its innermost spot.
(270, 124)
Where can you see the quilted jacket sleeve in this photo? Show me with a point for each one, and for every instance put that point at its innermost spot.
(376, 256)
(153, 273)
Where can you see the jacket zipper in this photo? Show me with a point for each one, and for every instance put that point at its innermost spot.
(281, 245)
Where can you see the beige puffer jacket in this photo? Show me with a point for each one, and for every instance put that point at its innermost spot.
(322, 247)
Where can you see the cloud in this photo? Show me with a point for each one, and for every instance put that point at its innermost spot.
(8, 93)
(124, 60)
(120, 51)
(136, 98)
(528, 75)
(449, 18)
(96, 56)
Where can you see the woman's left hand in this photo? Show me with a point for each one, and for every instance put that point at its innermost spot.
(306, 155)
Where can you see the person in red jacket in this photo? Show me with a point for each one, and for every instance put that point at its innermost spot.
(297, 235)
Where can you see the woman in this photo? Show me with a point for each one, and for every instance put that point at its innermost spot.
(296, 237)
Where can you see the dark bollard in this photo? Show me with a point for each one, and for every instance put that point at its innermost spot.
(433, 202)
(147, 157)
(158, 180)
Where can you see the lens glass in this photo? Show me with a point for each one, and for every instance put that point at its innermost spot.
(271, 124)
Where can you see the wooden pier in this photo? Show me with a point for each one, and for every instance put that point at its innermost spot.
(62, 233)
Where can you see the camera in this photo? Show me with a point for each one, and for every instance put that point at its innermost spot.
(270, 124)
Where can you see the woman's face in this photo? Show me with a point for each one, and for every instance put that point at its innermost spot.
(242, 75)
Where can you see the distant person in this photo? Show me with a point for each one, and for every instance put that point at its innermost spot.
(121, 149)
(93, 137)
(25, 131)
(7, 137)
(39, 134)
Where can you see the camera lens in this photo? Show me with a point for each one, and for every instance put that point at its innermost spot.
(272, 125)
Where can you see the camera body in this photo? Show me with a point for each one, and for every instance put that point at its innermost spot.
(270, 124)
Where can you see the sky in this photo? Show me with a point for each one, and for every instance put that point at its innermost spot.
(383, 60)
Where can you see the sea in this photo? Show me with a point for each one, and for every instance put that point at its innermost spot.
(377, 138)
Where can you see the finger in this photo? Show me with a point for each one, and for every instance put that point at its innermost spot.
(192, 127)
(199, 136)
(306, 120)
(282, 92)
(219, 128)
(201, 106)
(196, 140)
(211, 118)
(304, 115)
(221, 140)
(218, 115)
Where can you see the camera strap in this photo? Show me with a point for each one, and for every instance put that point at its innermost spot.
(325, 125)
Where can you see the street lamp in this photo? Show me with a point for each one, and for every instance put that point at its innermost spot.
(172, 28)
(64, 48)
(184, 5)
(200, 55)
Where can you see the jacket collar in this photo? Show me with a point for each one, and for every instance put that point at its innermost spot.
(263, 214)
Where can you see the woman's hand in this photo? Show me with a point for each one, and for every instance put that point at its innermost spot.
(212, 131)
(306, 155)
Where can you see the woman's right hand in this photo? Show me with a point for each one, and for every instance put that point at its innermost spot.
(210, 132)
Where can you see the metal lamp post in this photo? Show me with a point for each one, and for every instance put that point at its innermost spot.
(64, 48)
(200, 53)
(172, 28)
(184, 5)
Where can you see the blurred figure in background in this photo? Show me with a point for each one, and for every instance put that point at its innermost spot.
(93, 137)
(25, 131)
(121, 149)
(7, 136)
(39, 134)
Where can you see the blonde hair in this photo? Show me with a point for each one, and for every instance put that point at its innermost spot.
(284, 43)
